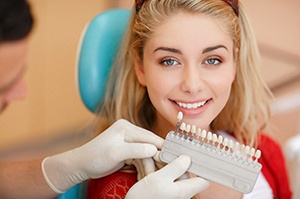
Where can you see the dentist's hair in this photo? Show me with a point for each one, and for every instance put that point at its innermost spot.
(16, 20)
(246, 111)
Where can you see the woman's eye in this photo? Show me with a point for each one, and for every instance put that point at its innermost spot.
(169, 62)
(212, 61)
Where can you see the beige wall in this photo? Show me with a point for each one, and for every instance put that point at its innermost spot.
(53, 103)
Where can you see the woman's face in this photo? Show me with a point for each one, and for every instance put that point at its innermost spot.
(188, 66)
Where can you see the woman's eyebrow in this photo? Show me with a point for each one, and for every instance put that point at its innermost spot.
(206, 50)
(173, 50)
(209, 49)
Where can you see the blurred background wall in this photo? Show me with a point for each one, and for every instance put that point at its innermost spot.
(53, 105)
(51, 118)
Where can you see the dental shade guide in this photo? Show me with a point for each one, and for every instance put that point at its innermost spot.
(179, 117)
(214, 158)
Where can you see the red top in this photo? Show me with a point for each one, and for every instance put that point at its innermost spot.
(116, 185)
(273, 168)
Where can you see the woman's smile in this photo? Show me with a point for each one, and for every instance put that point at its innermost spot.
(192, 109)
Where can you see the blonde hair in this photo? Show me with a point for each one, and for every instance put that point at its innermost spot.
(247, 109)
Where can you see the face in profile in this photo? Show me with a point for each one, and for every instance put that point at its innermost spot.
(188, 66)
(12, 68)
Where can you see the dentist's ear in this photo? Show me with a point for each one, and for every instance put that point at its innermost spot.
(139, 69)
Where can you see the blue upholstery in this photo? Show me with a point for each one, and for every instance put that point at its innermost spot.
(76, 192)
(97, 51)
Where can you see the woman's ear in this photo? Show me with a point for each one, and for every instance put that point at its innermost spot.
(139, 69)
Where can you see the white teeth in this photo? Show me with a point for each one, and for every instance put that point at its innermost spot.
(191, 105)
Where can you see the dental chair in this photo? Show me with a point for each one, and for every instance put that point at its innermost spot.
(97, 49)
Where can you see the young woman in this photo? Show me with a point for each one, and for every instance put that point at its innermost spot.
(198, 57)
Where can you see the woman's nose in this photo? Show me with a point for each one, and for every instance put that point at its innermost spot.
(192, 82)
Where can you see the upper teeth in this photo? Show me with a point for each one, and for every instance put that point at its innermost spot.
(191, 105)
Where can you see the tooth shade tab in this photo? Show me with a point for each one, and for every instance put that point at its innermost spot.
(193, 130)
(251, 153)
(214, 138)
(247, 150)
(203, 134)
(182, 126)
(242, 148)
(225, 142)
(198, 133)
(209, 136)
(230, 146)
(257, 155)
(236, 147)
(180, 116)
(188, 128)
(220, 139)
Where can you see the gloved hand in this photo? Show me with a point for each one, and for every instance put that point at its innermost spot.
(163, 184)
(101, 156)
(146, 166)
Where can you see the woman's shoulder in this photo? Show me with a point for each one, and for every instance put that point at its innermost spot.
(267, 139)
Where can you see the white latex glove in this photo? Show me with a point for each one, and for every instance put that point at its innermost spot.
(101, 156)
(143, 166)
(146, 166)
(162, 184)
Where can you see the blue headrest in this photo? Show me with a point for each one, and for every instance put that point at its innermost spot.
(97, 50)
